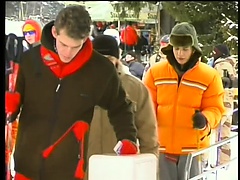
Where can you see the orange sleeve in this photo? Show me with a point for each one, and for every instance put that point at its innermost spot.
(212, 102)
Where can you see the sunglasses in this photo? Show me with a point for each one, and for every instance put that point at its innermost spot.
(29, 33)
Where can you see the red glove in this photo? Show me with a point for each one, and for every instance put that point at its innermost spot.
(12, 102)
(128, 147)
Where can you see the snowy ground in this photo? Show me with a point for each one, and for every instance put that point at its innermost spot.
(13, 27)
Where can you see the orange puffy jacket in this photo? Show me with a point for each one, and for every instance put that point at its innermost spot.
(200, 88)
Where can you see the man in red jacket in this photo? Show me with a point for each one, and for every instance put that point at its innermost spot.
(59, 83)
(128, 38)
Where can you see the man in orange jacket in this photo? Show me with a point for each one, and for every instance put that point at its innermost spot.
(188, 98)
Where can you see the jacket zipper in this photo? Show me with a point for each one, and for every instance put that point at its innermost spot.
(175, 105)
(53, 121)
(59, 85)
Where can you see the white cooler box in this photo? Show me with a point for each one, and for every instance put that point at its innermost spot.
(127, 167)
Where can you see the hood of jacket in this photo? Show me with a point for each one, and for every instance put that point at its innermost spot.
(34, 25)
(183, 34)
(52, 60)
(47, 39)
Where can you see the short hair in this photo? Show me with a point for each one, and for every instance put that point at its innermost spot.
(75, 20)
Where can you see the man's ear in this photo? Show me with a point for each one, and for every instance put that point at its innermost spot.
(54, 32)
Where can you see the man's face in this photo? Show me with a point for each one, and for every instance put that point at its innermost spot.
(67, 47)
(30, 36)
(183, 54)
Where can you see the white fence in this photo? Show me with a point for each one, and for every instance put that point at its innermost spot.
(218, 172)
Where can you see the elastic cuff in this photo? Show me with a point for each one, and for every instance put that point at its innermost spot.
(205, 127)
(202, 129)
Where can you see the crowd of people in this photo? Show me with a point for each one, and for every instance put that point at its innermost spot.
(78, 95)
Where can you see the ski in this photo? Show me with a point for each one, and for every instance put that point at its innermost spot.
(11, 71)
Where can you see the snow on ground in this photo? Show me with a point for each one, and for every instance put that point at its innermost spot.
(13, 27)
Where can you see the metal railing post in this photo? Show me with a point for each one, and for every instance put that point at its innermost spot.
(203, 150)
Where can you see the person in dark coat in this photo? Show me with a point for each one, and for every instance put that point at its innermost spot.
(141, 47)
(58, 85)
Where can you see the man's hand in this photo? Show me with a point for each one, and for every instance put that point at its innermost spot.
(127, 147)
(199, 120)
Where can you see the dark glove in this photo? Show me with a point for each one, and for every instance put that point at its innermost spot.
(12, 102)
(128, 147)
(199, 120)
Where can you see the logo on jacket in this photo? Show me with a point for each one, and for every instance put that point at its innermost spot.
(48, 57)
(49, 60)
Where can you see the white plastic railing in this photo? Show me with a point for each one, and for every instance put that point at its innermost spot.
(204, 150)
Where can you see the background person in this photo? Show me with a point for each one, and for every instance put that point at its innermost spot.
(101, 135)
(158, 56)
(32, 32)
(135, 67)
